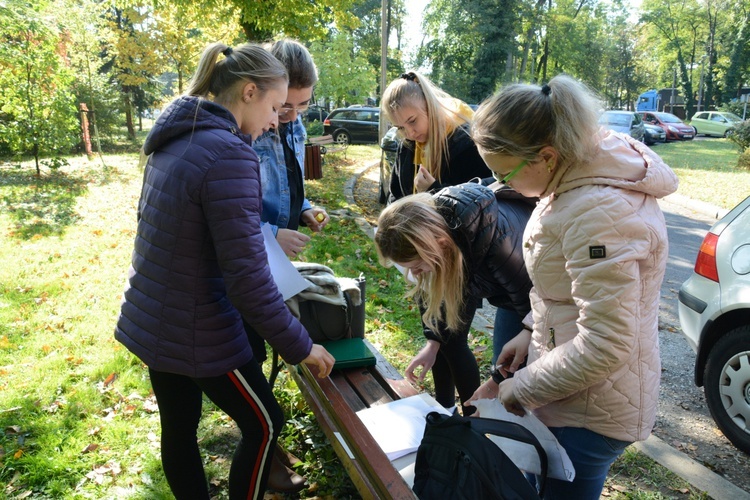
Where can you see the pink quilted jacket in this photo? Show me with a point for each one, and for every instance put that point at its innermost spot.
(596, 251)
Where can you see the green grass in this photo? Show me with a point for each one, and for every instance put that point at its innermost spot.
(706, 169)
(77, 417)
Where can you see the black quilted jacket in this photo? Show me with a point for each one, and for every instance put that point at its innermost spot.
(488, 227)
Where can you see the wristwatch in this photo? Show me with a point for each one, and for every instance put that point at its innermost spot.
(497, 377)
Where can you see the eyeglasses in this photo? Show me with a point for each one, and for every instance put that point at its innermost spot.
(283, 111)
(507, 178)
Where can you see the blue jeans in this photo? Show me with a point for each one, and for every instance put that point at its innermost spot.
(507, 325)
(592, 454)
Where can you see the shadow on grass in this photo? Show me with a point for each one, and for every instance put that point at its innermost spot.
(40, 206)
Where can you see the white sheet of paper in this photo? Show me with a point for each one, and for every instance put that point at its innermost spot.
(288, 280)
(523, 455)
(398, 426)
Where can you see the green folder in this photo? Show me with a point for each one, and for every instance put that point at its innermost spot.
(350, 353)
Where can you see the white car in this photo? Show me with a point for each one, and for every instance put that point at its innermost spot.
(714, 309)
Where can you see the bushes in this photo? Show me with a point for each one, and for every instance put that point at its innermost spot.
(743, 162)
(741, 135)
(314, 128)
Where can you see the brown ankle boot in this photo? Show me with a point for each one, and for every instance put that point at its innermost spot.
(285, 457)
(282, 479)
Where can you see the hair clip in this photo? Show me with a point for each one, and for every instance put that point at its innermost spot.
(546, 90)
(410, 76)
(227, 52)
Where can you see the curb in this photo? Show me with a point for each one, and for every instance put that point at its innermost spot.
(688, 469)
(702, 207)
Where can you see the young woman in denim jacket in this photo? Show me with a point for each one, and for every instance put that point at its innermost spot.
(282, 155)
(282, 158)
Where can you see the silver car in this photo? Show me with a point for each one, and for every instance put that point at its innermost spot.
(714, 309)
(627, 122)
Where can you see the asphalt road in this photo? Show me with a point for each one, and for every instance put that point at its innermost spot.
(684, 421)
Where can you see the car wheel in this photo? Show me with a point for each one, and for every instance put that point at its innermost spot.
(727, 386)
(727, 133)
(341, 137)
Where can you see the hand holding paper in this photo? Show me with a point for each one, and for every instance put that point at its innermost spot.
(523, 455)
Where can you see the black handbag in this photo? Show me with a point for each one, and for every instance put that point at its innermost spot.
(324, 321)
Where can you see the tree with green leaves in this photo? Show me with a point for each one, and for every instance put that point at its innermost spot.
(451, 48)
(346, 76)
(133, 56)
(39, 115)
(184, 30)
(678, 29)
(262, 21)
(739, 57)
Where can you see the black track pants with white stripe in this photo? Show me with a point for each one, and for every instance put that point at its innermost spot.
(245, 396)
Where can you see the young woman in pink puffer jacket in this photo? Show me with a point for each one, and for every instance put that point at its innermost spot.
(596, 251)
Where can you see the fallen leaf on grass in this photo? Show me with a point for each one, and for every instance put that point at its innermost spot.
(111, 378)
(150, 405)
(90, 448)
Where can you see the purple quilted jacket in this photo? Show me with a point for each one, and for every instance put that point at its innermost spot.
(199, 263)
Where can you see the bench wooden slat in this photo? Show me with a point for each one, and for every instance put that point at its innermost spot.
(369, 468)
(397, 385)
(367, 387)
(347, 391)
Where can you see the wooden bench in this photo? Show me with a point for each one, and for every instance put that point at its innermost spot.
(335, 401)
(328, 145)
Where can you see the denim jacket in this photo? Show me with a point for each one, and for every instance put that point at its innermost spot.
(273, 178)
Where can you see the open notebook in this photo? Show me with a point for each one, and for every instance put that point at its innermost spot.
(350, 353)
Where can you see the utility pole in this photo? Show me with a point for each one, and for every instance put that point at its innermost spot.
(700, 89)
(674, 89)
(383, 61)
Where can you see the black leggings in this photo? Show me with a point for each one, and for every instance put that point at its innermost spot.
(455, 366)
(244, 395)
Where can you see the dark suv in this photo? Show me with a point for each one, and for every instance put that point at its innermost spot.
(353, 124)
(313, 113)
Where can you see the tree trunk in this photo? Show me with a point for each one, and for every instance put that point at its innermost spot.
(129, 116)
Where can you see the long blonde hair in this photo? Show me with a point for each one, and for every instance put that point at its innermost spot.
(412, 228)
(222, 81)
(444, 113)
(522, 119)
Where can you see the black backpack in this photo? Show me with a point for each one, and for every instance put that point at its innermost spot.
(456, 460)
